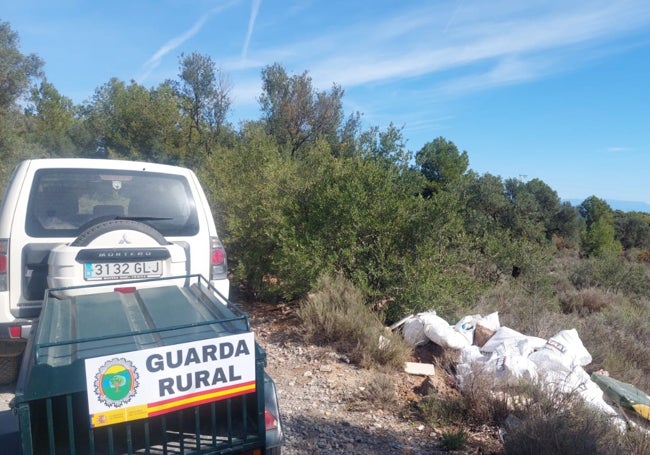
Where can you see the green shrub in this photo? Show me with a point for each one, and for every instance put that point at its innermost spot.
(335, 314)
(455, 439)
(437, 411)
(612, 273)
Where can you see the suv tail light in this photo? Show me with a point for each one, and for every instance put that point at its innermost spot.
(4, 263)
(218, 262)
(270, 422)
(15, 331)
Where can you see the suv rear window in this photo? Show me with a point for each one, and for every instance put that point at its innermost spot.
(65, 202)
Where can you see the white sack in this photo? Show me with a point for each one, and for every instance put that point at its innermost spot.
(440, 332)
(564, 351)
(577, 381)
(507, 362)
(491, 321)
(500, 370)
(413, 329)
(471, 354)
(515, 367)
(530, 344)
(504, 339)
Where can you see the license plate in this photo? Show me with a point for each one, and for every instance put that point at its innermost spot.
(122, 270)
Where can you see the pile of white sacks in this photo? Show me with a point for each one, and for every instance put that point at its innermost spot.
(506, 355)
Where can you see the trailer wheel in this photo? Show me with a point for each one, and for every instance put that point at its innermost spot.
(101, 228)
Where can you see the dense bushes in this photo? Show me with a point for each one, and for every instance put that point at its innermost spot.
(286, 221)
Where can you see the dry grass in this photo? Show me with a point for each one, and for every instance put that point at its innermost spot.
(584, 302)
(485, 403)
(336, 314)
(644, 256)
(563, 423)
(478, 404)
(617, 341)
(381, 391)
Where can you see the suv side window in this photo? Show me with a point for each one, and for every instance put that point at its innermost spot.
(64, 202)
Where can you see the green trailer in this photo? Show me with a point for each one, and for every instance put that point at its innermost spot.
(124, 369)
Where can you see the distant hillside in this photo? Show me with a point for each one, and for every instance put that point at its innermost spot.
(624, 206)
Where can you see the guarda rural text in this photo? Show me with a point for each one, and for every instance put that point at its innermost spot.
(196, 379)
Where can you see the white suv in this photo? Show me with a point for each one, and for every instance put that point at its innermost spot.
(71, 222)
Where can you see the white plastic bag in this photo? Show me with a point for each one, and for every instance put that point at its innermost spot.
(466, 326)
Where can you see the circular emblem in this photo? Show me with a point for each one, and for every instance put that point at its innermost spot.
(116, 382)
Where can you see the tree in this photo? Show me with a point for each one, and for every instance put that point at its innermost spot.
(16, 70)
(594, 210)
(129, 121)
(598, 239)
(53, 116)
(441, 163)
(535, 209)
(204, 91)
(347, 145)
(485, 206)
(295, 114)
(567, 224)
(632, 229)
(385, 147)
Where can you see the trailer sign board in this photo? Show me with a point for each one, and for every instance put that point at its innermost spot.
(140, 384)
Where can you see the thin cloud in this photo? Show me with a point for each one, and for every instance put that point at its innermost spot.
(508, 71)
(517, 44)
(453, 16)
(617, 149)
(251, 25)
(154, 61)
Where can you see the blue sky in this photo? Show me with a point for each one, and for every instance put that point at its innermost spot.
(555, 90)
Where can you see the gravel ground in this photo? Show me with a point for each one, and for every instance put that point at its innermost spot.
(325, 410)
(329, 406)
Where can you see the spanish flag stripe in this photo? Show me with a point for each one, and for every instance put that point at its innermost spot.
(201, 393)
(195, 399)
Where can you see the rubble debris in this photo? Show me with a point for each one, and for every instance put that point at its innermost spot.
(419, 369)
(556, 364)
